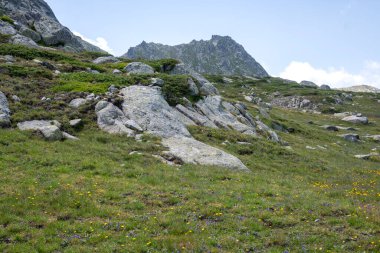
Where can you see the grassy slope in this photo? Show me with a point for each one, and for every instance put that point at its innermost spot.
(92, 196)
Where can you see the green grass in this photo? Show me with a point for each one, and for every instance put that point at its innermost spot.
(7, 19)
(92, 196)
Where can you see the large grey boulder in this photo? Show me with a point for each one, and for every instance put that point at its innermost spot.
(139, 68)
(51, 133)
(77, 102)
(7, 29)
(112, 120)
(106, 59)
(5, 118)
(356, 119)
(24, 41)
(308, 84)
(147, 107)
(325, 87)
(192, 151)
(350, 137)
(50, 129)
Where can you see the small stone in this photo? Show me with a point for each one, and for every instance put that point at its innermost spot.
(351, 137)
(117, 72)
(157, 82)
(78, 102)
(75, 122)
(16, 98)
(113, 89)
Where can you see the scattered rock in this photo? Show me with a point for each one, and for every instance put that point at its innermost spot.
(248, 98)
(16, 98)
(106, 59)
(77, 102)
(227, 80)
(207, 89)
(5, 113)
(310, 148)
(76, 123)
(69, 137)
(48, 65)
(366, 157)
(7, 58)
(356, 119)
(294, 102)
(117, 72)
(51, 133)
(330, 128)
(192, 151)
(139, 68)
(113, 89)
(373, 137)
(157, 82)
(350, 137)
(325, 87)
(308, 84)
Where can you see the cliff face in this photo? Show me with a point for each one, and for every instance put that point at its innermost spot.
(220, 55)
(36, 20)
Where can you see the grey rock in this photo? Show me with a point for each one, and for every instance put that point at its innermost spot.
(37, 21)
(139, 68)
(192, 151)
(194, 91)
(227, 80)
(366, 157)
(351, 137)
(325, 87)
(113, 89)
(330, 128)
(248, 98)
(308, 84)
(91, 97)
(117, 72)
(157, 82)
(195, 116)
(37, 124)
(342, 114)
(220, 55)
(27, 32)
(16, 98)
(69, 137)
(77, 102)
(373, 137)
(293, 102)
(207, 89)
(7, 58)
(183, 118)
(19, 39)
(355, 119)
(5, 113)
(51, 133)
(106, 59)
(7, 29)
(112, 120)
(76, 122)
(147, 107)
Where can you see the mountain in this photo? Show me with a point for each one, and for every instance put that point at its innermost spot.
(362, 88)
(33, 21)
(220, 55)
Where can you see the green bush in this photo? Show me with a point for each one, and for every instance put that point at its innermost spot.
(7, 19)
(4, 38)
(20, 71)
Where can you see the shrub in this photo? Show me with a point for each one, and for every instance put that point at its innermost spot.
(4, 38)
(7, 19)
(20, 71)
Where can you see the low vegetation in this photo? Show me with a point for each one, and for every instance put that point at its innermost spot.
(95, 195)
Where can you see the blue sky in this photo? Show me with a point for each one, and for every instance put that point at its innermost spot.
(326, 41)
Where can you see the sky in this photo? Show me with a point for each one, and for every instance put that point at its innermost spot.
(334, 42)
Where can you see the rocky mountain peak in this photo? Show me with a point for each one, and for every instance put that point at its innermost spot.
(35, 22)
(219, 55)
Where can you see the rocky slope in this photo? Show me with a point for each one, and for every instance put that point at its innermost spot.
(33, 23)
(362, 88)
(220, 55)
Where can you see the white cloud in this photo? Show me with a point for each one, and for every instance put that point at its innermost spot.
(335, 77)
(100, 42)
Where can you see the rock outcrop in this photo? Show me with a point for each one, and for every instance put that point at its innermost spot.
(138, 68)
(356, 119)
(50, 129)
(35, 22)
(220, 55)
(5, 118)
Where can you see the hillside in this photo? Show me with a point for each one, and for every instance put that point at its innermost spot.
(33, 23)
(112, 193)
(220, 55)
(361, 88)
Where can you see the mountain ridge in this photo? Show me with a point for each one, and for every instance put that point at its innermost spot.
(219, 55)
